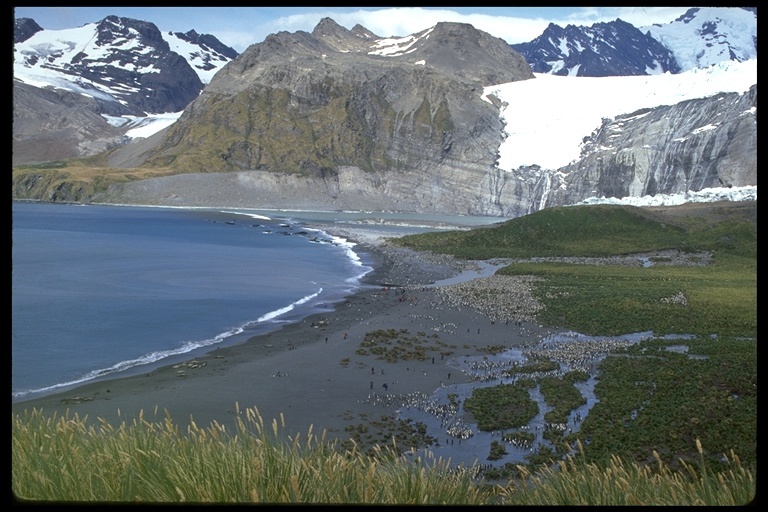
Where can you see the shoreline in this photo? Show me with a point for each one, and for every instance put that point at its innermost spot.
(311, 372)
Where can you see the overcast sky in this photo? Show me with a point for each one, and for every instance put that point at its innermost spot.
(240, 27)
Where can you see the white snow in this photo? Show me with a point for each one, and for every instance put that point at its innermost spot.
(144, 126)
(397, 46)
(193, 55)
(547, 117)
(735, 25)
(705, 195)
(55, 50)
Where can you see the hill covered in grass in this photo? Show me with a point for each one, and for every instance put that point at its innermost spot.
(603, 230)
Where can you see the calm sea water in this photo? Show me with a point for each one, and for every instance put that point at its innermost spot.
(101, 291)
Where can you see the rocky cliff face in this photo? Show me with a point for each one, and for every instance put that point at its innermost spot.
(689, 146)
(24, 28)
(53, 124)
(664, 150)
(405, 114)
(344, 119)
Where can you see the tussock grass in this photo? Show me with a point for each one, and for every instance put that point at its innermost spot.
(610, 300)
(720, 297)
(589, 231)
(575, 482)
(60, 459)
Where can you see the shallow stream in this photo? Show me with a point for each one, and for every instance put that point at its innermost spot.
(457, 435)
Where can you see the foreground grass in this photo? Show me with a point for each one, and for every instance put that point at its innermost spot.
(64, 460)
(574, 482)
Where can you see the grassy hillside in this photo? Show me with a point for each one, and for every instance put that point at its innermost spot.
(719, 297)
(601, 230)
(73, 180)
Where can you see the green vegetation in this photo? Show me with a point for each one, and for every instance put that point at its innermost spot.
(62, 459)
(610, 299)
(392, 345)
(576, 482)
(402, 435)
(498, 450)
(501, 407)
(655, 399)
(592, 231)
(560, 394)
(717, 298)
(675, 422)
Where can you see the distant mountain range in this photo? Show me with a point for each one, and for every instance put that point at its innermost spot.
(698, 39)
(361, 121)
(128, 65)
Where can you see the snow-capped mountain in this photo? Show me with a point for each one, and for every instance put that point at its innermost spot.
(206, 54)
(698, 39)
(604, 49)
(24, 28)
(447, 120)
(708, 35)
(127, 65)
(83, 90)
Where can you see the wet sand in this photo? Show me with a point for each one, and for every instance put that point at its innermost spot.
(312, 373)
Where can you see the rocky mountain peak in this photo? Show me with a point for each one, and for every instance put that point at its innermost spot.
(341, 39)
(363, 32)
(24, 28)
(615, 48)
(118, 31)
(207, 42)
(471, 54)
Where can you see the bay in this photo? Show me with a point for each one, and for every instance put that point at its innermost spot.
(100, 291)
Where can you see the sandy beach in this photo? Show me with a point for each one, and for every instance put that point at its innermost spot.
(313, 373)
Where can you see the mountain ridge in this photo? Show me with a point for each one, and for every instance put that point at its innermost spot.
(378, 123)
(121, 69)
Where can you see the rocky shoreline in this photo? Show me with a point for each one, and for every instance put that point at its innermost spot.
(313, 372)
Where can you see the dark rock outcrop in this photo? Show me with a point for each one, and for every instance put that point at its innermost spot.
(604, 49)
(24, 28)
